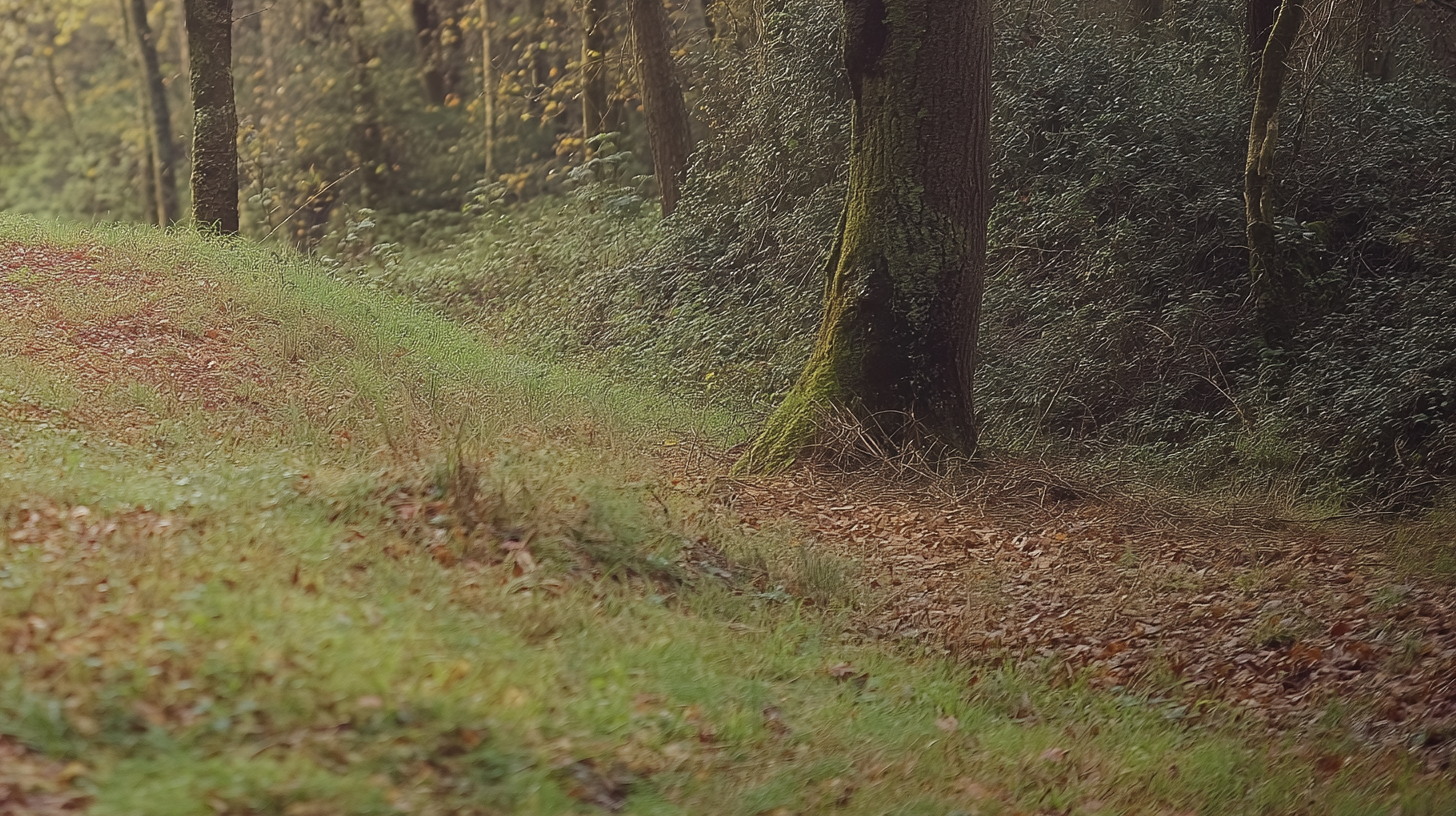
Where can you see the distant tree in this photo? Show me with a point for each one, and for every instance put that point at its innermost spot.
(437, 29)
(214, 115)
(668, 130)
(896, 349)
(488, 89)
(367, 149)
(159, 116)
(1274, 288)
(596, 109)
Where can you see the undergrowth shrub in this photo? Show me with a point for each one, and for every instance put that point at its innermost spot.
(1117, 300)
(1117, 305)
(721, 299)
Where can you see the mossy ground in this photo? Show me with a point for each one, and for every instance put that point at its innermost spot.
(366, 562)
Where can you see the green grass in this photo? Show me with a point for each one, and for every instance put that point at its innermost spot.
(297, 602)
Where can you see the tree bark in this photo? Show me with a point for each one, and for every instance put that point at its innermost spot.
(148, 175)
(1370, 57)
(596, 108)
(668, 131)
(178, 13)
(487, 88)
(896, 348)
(437, 31)
(366, 132)
(159, 119)
(1259, 20)
(1274, 289)
(214, 116)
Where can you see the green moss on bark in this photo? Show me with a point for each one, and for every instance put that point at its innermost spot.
(896, 344)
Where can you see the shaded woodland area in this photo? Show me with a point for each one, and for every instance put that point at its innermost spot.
(1222, 240)
(727, 406)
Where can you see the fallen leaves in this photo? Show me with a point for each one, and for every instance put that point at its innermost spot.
(605, 786)
(1278, 622)
(31, 785)
(103, 324)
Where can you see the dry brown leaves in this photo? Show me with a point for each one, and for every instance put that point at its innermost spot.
(31, 785)
(127, 332)
(1280, 622)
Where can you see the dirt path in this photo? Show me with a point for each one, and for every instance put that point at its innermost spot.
(1302, 628)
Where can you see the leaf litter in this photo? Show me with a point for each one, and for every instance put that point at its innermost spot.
(105, 321)
(1281, 621)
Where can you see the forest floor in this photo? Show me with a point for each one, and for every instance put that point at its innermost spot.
(1299, 625)
(254, 558)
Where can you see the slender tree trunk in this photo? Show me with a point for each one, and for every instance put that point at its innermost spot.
(149, 165)
(159, 123)
(896, 349)
(62, 101)
(596, 108)
(1273, 286)
(366, 133)
(487, 88)
(427, 34)
(1369, 52)
(1259, 20)
(214, 116)
(437, 30)
(668, 130)
(178, 12)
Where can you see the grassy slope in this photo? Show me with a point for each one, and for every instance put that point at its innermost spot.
(284, 591)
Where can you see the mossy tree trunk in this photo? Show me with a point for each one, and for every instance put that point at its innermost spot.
(1274, 289)
(896, 348)
(214, 115)
(159, 116)
(668, 131)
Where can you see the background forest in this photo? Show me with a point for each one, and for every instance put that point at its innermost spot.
(1118, 316)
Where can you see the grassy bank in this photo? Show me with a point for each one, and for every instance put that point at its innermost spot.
(272, 543)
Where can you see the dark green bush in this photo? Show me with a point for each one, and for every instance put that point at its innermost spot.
(1117, 305)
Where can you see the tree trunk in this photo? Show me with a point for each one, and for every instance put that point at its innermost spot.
(487, 88)
(1273, 287)
(366, 132)
(668, 131)
(896, 349)
(214, 116)
(427, 25)
(177, 11)
(148, 175)
(149, 168)
(1259, 20)
(1370, 58)
(596, 108)
(159, 120)
(437, 31)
